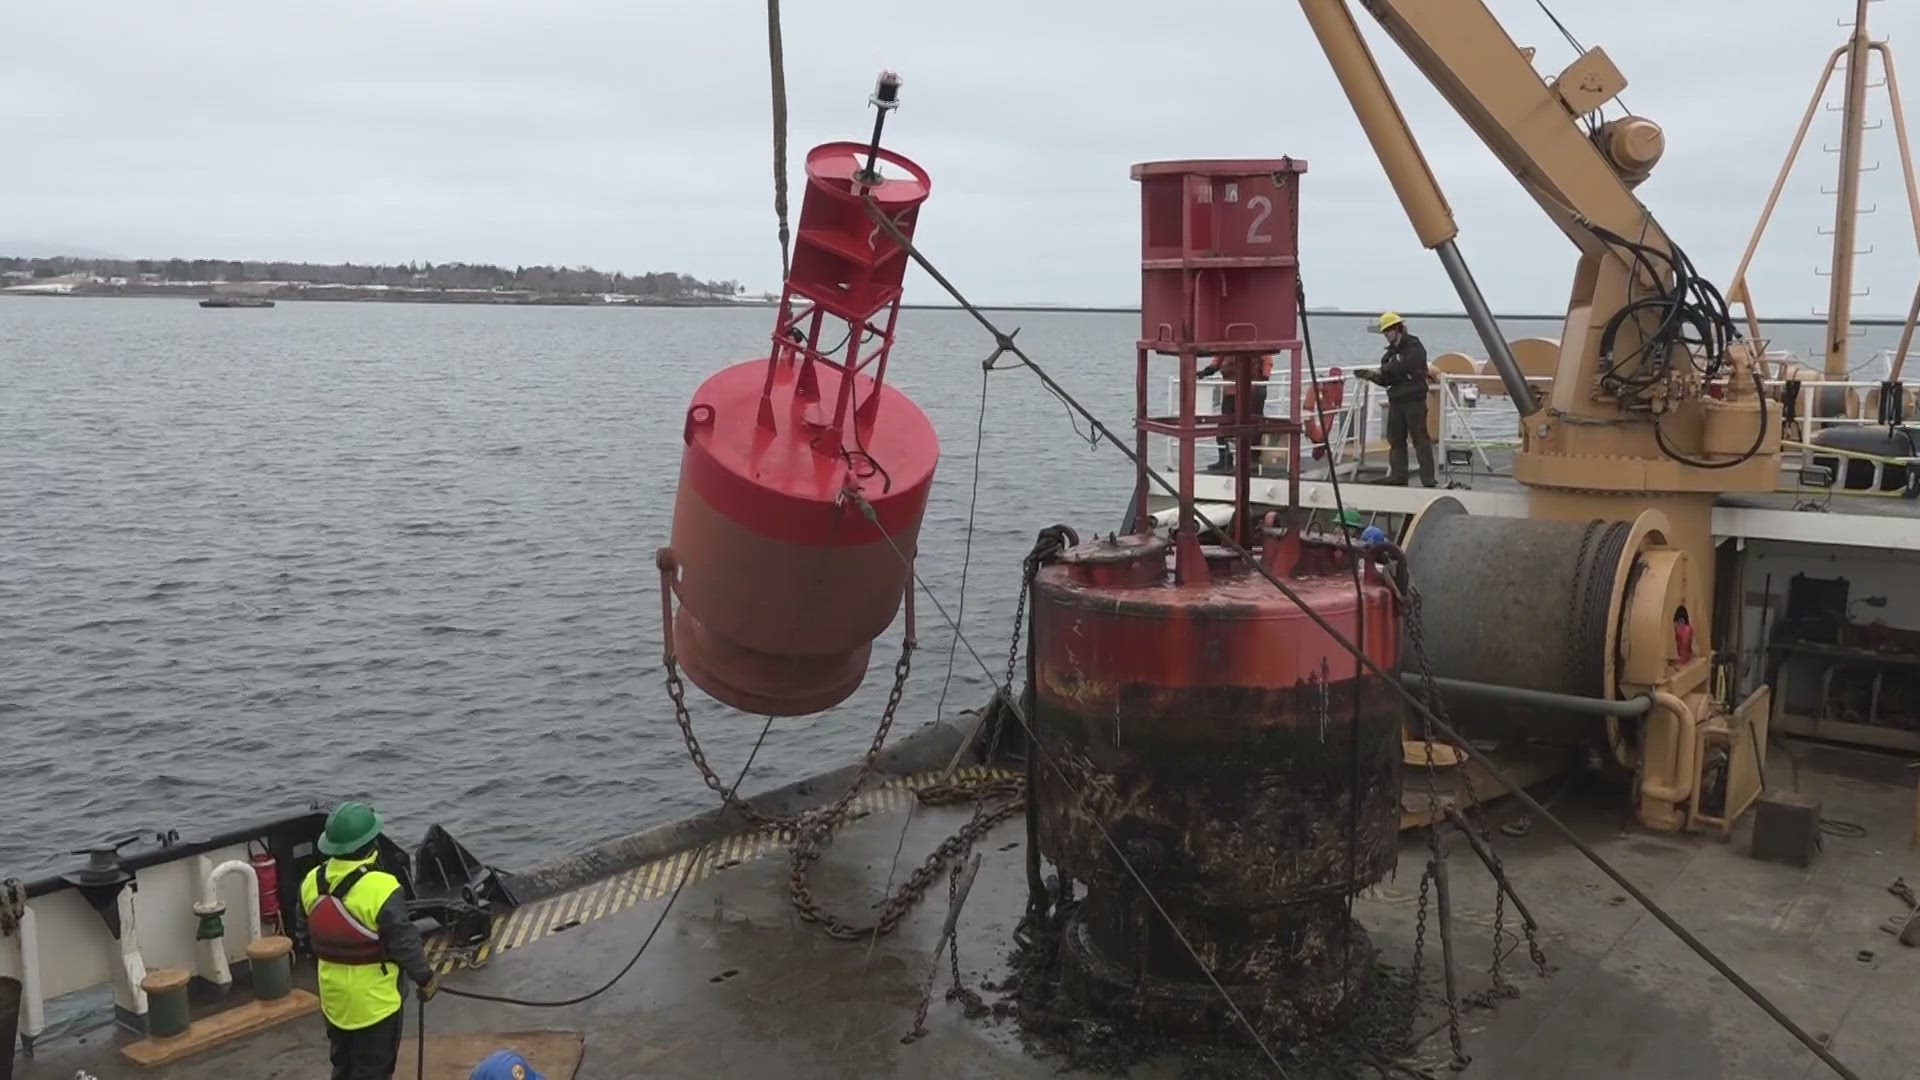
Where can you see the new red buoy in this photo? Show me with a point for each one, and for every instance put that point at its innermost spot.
(783, 578)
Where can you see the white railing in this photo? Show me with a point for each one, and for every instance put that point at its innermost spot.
(1477, 416)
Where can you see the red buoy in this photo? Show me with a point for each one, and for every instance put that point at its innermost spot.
(784, 580)
(1208, 743)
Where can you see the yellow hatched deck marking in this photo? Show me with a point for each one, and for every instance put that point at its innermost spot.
(653, 880)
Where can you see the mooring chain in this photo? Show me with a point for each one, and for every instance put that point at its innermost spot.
(994, 800)
(1430, 690)
(808, 848)
(1401, 585)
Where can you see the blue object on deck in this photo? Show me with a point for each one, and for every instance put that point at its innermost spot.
(504, 1065)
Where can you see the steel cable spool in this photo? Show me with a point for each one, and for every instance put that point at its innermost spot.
(1524, 603)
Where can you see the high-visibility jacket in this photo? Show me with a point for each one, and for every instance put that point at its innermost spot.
(361, 993)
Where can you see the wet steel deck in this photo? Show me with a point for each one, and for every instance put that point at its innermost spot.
(736, 985)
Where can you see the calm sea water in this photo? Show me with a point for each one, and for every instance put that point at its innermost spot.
(252, 558)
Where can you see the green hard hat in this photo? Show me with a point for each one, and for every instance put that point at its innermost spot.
(1351, 519)
(350, 827)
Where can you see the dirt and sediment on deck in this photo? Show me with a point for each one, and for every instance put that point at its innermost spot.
(1368, 1041)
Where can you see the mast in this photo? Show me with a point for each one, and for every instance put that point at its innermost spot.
(1846, 210)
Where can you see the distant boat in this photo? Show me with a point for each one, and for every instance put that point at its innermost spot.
(236, 301)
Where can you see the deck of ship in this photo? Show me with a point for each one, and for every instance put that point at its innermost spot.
(736, 985)
(1811, 515)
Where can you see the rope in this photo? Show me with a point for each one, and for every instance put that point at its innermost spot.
(777, 63)
(686, 873)
(1420, 708)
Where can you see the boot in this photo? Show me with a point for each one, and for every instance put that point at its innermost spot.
(1424, 451)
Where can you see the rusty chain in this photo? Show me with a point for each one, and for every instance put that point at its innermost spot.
(994, 800)
(1430, 690)
(1409, 595)
(1403, 587)
(809, 843)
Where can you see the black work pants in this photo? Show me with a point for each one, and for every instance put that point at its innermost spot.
(368, 1053)
(1256, 408)
(1407, 419)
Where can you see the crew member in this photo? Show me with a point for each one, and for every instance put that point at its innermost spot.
(1356, 527)
(1403, 371)
(358, 925)
(1228, 368)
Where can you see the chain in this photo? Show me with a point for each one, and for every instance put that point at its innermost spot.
(1430, 691)
(1409, 596)
(1402, 585)
(1420, 929)
(993, 801)
(809, 844)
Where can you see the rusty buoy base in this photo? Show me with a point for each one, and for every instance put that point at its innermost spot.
(1220, 776)
(1302, 997)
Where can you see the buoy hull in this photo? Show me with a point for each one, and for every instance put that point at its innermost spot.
(1209, 733)
(783, 582)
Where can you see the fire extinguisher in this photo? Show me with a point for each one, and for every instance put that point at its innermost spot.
(268, 873)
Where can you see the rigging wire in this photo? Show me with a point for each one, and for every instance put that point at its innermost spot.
(953, 646)
(1578, 48)
(1360, 616)
(1698, 947)
(777, 64)
(686, 873)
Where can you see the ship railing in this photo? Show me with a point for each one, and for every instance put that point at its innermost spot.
(1474, 417)
(1477, 428)
(1347, 423)
(1819, 473)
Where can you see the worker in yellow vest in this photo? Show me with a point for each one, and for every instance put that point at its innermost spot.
(357, 924)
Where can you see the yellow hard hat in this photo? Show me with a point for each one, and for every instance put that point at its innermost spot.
(1387, 320)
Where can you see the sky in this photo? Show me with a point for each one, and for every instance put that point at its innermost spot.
(636, 135)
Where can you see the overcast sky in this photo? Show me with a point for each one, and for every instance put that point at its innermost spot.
(635, 135)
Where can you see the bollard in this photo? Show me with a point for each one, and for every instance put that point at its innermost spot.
(167, 1013)
(272, 961)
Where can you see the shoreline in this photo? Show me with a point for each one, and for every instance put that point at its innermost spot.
(379, 296)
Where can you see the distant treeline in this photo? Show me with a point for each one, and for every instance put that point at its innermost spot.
(453, 275)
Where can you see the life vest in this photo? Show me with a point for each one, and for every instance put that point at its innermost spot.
(333, 931)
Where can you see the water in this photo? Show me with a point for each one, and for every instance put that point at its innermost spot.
(253, 558)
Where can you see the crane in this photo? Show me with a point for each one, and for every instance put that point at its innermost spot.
(1604, 593)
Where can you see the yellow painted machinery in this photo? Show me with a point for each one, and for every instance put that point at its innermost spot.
(1590, 622)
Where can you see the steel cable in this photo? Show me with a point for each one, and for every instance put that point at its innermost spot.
(953, 647)
(777, 65)
(1474, 753)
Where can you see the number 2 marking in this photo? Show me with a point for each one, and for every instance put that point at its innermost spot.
(1264, 206)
